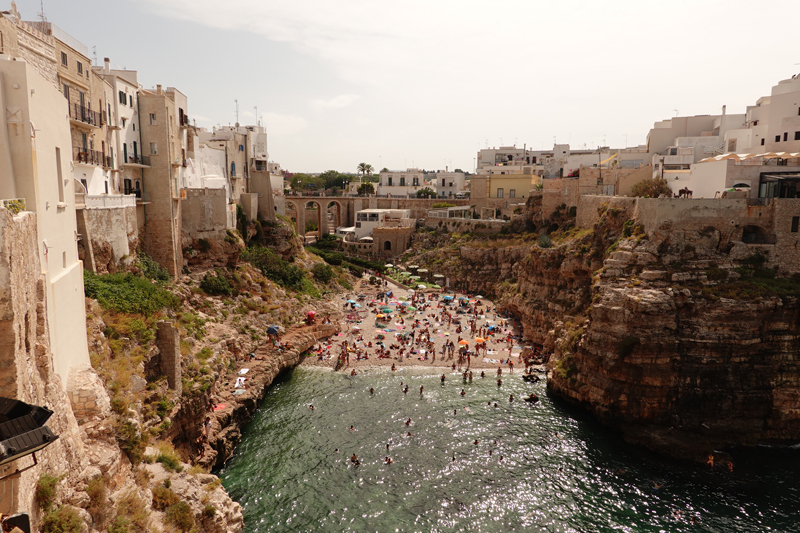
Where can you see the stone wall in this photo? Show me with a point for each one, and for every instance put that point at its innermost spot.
(787, 246)
(22, 40)
(169, 346)
(463, 225)
(26, 364)
(204, 214)
(590, 208)
(398, 239)
(109, 238)
(559, 191)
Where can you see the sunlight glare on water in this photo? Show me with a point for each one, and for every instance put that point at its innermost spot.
(559, 471)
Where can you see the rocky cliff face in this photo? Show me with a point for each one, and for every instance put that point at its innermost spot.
(683, 343)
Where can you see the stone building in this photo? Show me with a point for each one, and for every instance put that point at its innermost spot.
(21, 40)
(164, 138)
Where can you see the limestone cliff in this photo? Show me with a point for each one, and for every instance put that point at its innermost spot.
(682, 340)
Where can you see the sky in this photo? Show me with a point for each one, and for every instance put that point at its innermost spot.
(427, 83)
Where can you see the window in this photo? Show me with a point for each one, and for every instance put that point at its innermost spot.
(122, 98)
(233, 169)
(66, 91)
(795, 224)
(387, 245)
(416, 182)
(777, 138)
(152, 119)
(124, 120)
(732, 145)
(797, 136)
(762, 141)
(154, 148)
(133, 125)
(130, 100)
(500, 192)
(402, 182)
(389, 181)
(80, 67)
(785, 136)
(241, 148)
(64, 59)
(512, 193)
(442, 182)
(59, 177)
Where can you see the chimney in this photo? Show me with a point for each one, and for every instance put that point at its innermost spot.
(107, 68)
(723, 110)
(158, 90)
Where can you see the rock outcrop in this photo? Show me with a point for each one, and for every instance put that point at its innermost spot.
(680, 339)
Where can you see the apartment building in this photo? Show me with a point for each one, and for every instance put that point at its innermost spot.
(164, 137)
(34, 167)
(401, 183)
(450, 184)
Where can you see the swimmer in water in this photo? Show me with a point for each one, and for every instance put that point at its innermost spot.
(388, 460)
(499, 382)
(408, 422)
(463, 393)
(511, 398)
(311, 407)
(371, 390)
(421, 388)
(352, 428)
(442, 378)
(483, 374)
(476, 442)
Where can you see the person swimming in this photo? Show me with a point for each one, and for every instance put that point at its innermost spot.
(388, 460)
(311, 407)
(442, 379)
(371, 390)
(355, 460)
(408, 422)
(463, 393)
(499, 382)
(511, 398)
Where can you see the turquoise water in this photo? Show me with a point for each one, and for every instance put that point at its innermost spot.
(559, 471)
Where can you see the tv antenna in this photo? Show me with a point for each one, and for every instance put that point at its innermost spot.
(41, 14)
(676, 112)
(237, 112)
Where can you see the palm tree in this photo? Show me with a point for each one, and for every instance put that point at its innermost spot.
(369, 169)
(363, 167)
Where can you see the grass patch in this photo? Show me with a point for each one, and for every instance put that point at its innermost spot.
(128, 293)
(63, 520)
(273, 267)
(45, 492)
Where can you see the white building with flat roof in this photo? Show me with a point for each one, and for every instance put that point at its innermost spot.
(369, 219)
(449, 184)
(401, 183)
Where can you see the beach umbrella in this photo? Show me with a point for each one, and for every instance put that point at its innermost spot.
(362, 295)
(311, 313)
(438, 275)
(351, 301)
(413, 267)
(463, 343)
(448, 298)
(480, 339)
(463, 298)
(389, 265)
(420, 286)
(422, 270)
(379, 316)
(414, 277)
(435, 286)
(386, 309)
(405, 303)
(479, 297)
(356, 328)
(412, 308)
(411, 291)
(357, 305)
(272, 330)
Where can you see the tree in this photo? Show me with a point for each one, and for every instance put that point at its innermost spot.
(384, 169)
(426, 192)
(651, 188)
(366, 188)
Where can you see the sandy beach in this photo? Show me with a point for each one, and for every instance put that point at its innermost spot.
(360, 327)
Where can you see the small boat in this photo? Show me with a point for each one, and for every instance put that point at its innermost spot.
(530, 378)
(532, 398)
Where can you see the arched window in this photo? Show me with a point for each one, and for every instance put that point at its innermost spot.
(387, 245)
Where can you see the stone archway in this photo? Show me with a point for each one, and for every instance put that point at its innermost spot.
(298, 218)
(336, 208)
(321, 216)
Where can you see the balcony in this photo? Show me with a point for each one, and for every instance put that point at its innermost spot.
(83, 116)
(137, 161)
(91, 157)
(97, 201)
(184, 120)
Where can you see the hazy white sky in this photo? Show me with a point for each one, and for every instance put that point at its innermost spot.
(429, 82)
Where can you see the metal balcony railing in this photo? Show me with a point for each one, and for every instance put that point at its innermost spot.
(90, 157)
(139, 160)
(85, 115)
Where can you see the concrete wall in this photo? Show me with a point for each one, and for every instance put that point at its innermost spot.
(590, 208)
(204, 213)
(462, 225)
(109, 237)
(261, 184)
(31, 168)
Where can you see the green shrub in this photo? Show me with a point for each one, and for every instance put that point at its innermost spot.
(545, 242)
(62, 520)
(150, 269)
(216, 284)
(180, 516)
(98, 501)
(169, 459)
(273, 267)
(130, 440)
(322, 272)
(573, 211)
(209, 511)
(133, 513)
(716, 274)
(45, 492)
(354, 269)
(204, 245)
(120, 525)
(163, 497)
(127, 293)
